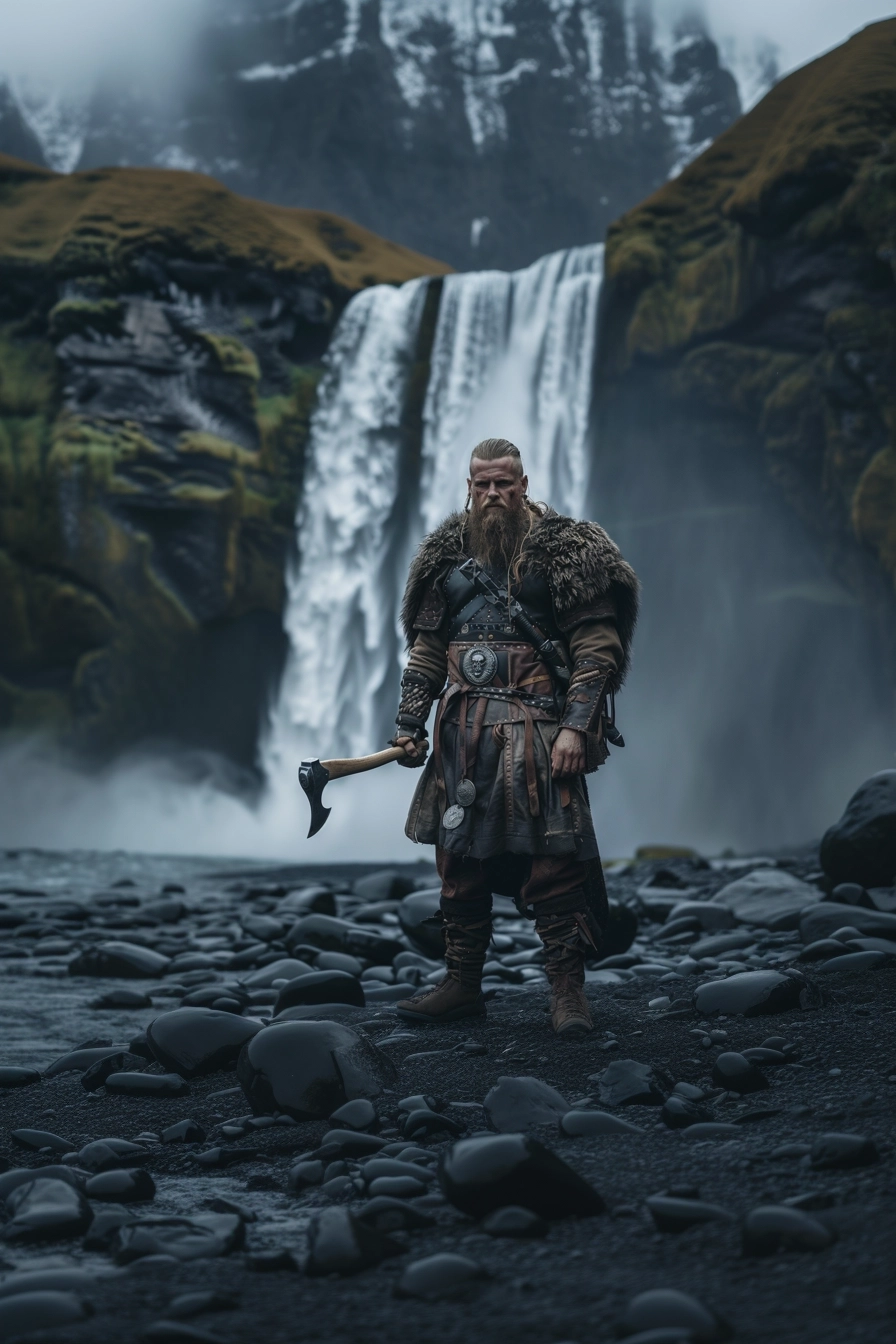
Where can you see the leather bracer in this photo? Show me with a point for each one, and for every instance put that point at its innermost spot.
(586, 696)
(413, 709)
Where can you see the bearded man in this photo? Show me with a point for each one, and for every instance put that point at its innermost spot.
(528, 615)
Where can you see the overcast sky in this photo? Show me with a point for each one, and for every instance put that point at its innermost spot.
(65, 40)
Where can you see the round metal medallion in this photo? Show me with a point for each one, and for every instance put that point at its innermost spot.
(453, 818)
(465, 792)
(479, 665)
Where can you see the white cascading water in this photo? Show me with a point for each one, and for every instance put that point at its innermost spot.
(512, 356)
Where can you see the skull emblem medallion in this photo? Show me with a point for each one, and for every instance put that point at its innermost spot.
(479, 665)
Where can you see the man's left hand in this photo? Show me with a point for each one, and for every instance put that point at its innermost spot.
(568, 755)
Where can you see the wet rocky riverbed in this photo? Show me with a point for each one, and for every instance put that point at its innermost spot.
(715, 1161)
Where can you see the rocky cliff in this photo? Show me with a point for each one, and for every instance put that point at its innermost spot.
(160, 345)
(488, 134)
(748, 328)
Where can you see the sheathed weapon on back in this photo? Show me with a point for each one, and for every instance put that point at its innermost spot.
(544, 647)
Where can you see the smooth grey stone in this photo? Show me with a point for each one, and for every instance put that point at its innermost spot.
(586, 1124)
(750, 993)
(861, 846)
(377, 1167)
(308, 1069)
(679, 1112)
(732, 1071)
(441, 1276)
(26, 1313)
(78, 1061)
(322, 1012)
(625, 1082)
(770, 897)
(843, 1150)
(196, 1041)
(340, 1243)
(823, 948)
(44, 1210)
(16, 1176)
(484, 1173)
(120, 959)
(763, 1054)
(661, 1308)
(317, 987)
(872, 945)
(418, 917)
(146, 1085)
(125, 1185)
(36, 1139)
(184, 1131)
(186, 1305)
(106, 1222)
(11, 1076)
(387, 884)
(393, 1215)
(359, 1114)
(826, 919)
(515, 1103)
(708, 915)
(339, 961)
(713, 1129)
(66, 1279)
(198, 1237)
(397, 1187)
(720, 943)
(285, 968)
(773, 1227)
(340, 935)
(677, 1215)
(854, 961)
(305, 1174)
(514, 1221)
(109, 1154)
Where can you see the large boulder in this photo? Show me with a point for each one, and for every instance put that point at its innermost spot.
(308, 1069)
(861, 846)
(769, 897)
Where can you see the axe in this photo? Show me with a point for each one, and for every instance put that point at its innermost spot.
(314, 775)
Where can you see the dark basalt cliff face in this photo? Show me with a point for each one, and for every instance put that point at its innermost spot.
(489, 134)
(160, 345)
(748, 331)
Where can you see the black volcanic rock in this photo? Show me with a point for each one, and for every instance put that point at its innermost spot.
(194, 1041)
(317, 987)
(732, 1071)
(516, 1103)
(418, 915)
(340, 935)
(341, 1243)
(861, 846)
(119, 959)
(26, 1313)
(440, 1276)
(203, 1235)
(485, 1173)
(11, 1076)
(308, 1069)
(669, 1309)
(843, 1150)
(146, 1085)
(751, 993)
(44, 1210)
(125, 1185)
(626, 1082)
(773, 1227)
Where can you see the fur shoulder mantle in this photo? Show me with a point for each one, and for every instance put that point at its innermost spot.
(580, 563)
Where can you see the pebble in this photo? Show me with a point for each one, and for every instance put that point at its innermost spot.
(679, 1112)
(392, 1215)
(16, 1077)
(37, 1139)
(199, 1237)
(484, 1173)
(854, 961)
(126, 1185)
(397, 1187)
(750, 993)
(774, 1227)
(77, 1061)
(317, 987)
(284, 968)
(516, 1103)
(723, 942)
(441, 1276)
(586, 1124)
(26, 1313)
(732, 1071)
(418, 916)
(184, 1131)
(196, 1041)
(16, 1176)
(843, 1150)
(514, 1221)
(308, 1069)
(359, 1114)
(177, 1332)
(108, 1154)
(120, 959)
(378, 1168)
(340, 1243)
(677, 1215)
(186, 1305)
(122, 998)
(46, 1209)
(625, 1082)
(146, 1085)
(660, 1308)
(712, 1129)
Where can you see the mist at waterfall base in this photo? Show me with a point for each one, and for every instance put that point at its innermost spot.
(756, 702)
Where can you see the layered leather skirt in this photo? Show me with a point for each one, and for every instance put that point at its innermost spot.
(487, 787)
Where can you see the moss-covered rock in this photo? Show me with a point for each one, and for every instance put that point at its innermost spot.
(160, 348)
(751, 303)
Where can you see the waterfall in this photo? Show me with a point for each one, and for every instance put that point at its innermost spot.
(512, 356)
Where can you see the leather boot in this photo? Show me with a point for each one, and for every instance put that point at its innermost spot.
(459, 994)
(564, 943)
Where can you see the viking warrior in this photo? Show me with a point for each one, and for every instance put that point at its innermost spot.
(519, 622)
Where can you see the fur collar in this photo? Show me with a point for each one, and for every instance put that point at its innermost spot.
(577, 559)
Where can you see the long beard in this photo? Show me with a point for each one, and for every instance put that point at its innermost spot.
(497, 535)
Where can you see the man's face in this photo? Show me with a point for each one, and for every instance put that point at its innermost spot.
(496, 485)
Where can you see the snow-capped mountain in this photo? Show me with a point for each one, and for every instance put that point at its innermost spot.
(482, 132)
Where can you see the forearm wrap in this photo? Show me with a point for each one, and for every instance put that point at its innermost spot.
(586, 696)
(414, 706)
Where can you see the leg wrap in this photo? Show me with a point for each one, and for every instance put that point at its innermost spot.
(568, 932)
(467, 931)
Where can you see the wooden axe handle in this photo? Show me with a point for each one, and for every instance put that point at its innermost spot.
(357, 764)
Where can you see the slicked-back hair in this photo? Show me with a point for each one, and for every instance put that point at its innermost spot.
(490, 450)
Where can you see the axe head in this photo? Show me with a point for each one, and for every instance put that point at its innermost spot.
(312, 777)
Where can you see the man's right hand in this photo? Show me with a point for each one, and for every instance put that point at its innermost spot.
(415, 752)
